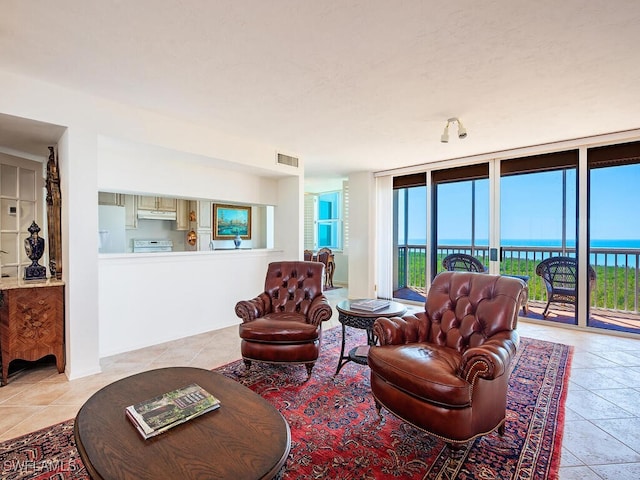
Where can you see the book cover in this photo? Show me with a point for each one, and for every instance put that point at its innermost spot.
(370, 305)
(159, 414)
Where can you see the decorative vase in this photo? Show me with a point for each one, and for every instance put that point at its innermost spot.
(237, 240)
(34, 247)
(192, 237)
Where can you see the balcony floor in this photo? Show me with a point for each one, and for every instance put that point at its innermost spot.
(558, 313)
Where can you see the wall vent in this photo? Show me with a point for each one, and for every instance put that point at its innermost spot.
(287, 160)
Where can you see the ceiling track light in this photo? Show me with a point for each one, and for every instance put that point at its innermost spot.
(462, 132)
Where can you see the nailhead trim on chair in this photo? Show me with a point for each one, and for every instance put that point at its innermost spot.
(445, 439)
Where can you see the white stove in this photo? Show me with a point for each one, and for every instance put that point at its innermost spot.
(149, 246)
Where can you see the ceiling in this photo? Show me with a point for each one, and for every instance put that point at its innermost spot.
(349, 85)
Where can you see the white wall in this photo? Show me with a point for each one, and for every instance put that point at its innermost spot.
(341, 273)
(78, 180)
(290, 212)
(125, 166)
(361, 235)
(97, 129)
(153, 298)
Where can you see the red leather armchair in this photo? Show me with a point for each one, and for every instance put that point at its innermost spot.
(284, 323)
(446, 370)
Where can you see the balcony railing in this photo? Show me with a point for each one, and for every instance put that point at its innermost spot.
(617, 271)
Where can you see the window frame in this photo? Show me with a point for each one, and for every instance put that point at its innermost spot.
(335, 222)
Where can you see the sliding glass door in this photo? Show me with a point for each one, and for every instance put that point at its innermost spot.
(572, 211)
(460, 213)
(614, 237)
(410, 237)
(537, 222)
(460, 206)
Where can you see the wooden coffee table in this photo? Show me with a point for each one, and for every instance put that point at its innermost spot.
(246, 438)
(352, 317)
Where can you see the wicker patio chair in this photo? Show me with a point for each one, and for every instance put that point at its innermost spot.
(462, 262)
(560, 276)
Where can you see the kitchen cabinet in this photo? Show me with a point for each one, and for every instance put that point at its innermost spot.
(160, 204)
(130, 212)
(182, 215)
(167, 204)
(146, 203)
(205, 214)
(205, 221)
(110, 198)
(31, 321)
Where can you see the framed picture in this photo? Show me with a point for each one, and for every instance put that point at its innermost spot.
(231, 220)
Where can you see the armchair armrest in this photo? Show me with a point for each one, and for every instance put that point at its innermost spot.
(319, 310)
(491, 359)
(401, 330)
(249, 310)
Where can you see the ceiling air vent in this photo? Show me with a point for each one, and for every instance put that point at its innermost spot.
(287, 160)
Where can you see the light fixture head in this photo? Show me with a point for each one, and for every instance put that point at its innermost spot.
(445, 135)
(462, 132)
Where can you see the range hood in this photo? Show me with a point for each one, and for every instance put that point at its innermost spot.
(156, 215)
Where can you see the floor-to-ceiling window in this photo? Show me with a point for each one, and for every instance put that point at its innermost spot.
(537, 221)
(577, 203)
(461, 213)
(410, 236)
(460, 209)
(614, 236)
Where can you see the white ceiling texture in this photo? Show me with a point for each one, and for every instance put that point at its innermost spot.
(346, 85)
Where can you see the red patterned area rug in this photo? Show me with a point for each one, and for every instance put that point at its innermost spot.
(337, 433)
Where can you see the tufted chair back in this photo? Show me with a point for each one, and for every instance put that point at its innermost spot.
(463, 310)
(292, 286)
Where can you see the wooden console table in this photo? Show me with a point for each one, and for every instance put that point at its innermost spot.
(31, 321)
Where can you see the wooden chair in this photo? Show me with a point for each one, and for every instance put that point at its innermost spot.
(308, 256)
(560, 276)
(325, 256)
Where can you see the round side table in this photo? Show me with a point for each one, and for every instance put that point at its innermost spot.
(349, 316)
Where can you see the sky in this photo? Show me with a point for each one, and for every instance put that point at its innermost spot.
(531, 206)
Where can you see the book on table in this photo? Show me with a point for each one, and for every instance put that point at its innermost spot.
(159, 414)
(370, 305)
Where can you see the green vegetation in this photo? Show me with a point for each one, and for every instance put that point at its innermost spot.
(620, 284)
(621, 287)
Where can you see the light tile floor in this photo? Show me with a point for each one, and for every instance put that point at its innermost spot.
(602, 427)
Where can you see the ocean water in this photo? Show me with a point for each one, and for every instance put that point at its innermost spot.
(522, 242)
(600, 259)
